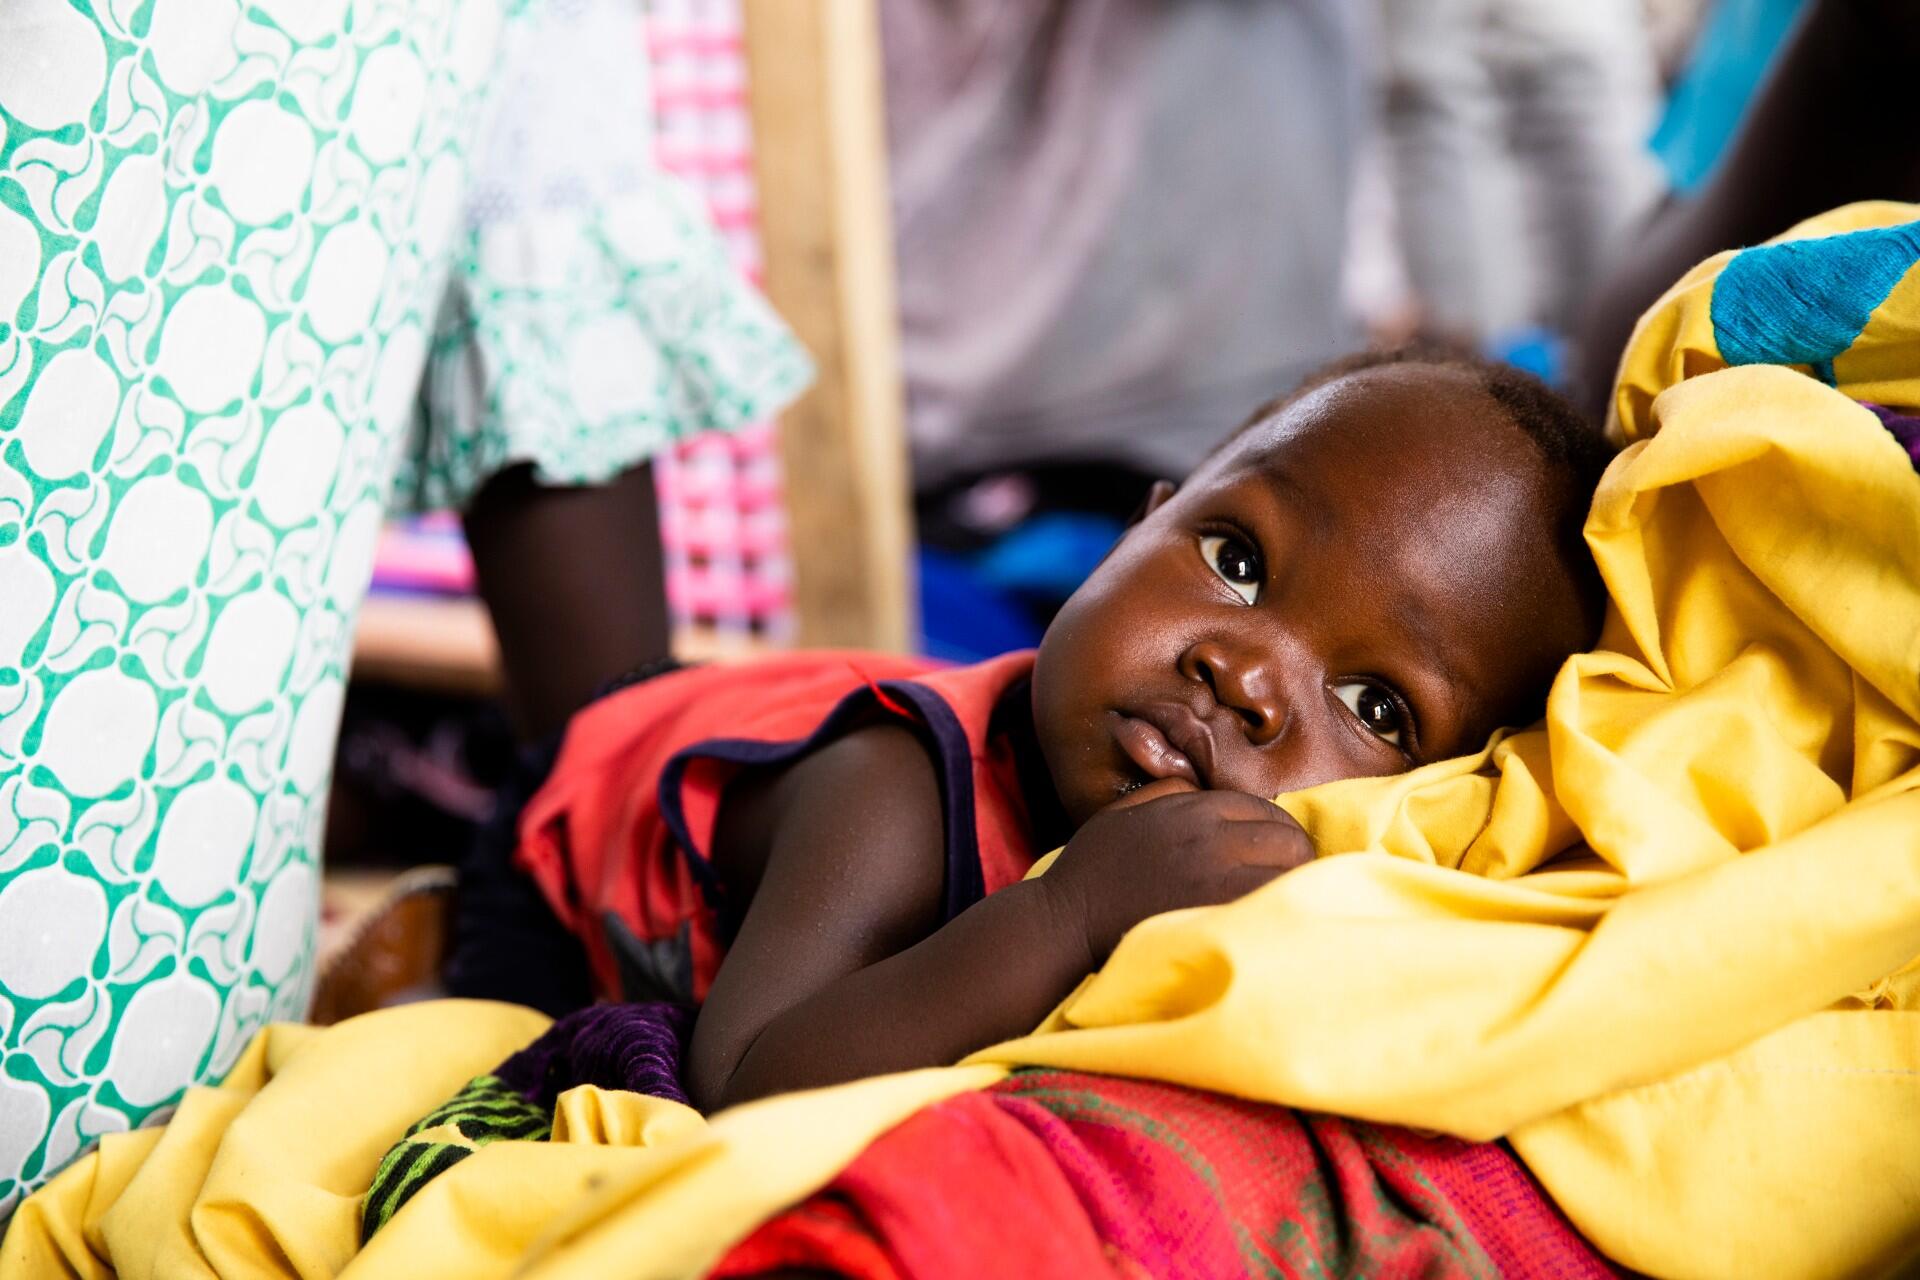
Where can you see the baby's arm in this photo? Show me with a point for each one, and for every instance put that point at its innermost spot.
(824, 981)
(840, 969)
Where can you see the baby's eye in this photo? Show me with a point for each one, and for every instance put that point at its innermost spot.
(1375, 708)
(1237, 564)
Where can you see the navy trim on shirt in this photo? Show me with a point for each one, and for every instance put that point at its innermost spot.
(965, 883)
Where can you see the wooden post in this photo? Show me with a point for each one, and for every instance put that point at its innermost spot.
(819, 152)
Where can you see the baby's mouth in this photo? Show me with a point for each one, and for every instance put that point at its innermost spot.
(1149, 747)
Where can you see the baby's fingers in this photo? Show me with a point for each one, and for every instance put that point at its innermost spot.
(1238, 806)
(1281, 846)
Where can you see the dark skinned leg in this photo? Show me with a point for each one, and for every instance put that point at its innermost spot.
(575, 582)
(1833, 123)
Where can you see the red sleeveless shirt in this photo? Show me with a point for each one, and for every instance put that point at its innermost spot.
(617, 838)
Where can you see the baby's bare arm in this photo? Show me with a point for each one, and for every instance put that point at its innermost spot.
(840, 969)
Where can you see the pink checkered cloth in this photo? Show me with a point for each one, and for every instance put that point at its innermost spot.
(722, 522)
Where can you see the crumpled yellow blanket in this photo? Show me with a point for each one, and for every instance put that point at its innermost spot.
(1664, 942)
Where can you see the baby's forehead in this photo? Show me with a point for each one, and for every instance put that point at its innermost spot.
(1396, 397)
(1425, 481)
(1436, 423)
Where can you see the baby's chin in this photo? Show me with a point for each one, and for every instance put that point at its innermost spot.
(1086, 792)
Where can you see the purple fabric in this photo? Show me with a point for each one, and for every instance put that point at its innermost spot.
(636, 1047)
(1905, 428)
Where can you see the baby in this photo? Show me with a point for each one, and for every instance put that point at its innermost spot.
(1372, 573)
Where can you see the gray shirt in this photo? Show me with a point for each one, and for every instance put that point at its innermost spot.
(1120, 223)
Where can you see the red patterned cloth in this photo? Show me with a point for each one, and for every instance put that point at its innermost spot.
(1063, 1174)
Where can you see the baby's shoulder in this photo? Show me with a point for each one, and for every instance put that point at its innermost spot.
(864, 803)
(886, 769)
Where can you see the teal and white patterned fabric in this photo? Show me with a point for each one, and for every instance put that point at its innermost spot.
(257, 264)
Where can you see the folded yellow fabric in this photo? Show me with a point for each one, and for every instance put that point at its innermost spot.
(1664, 941)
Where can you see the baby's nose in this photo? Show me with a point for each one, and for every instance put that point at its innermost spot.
(1244, 683)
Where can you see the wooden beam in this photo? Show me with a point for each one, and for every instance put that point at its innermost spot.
(819, 148)
(448, 646)
(424, 642)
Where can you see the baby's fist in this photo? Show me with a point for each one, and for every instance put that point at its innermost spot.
(1167, 847)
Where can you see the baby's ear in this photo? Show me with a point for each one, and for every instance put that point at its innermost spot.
(1155, 499)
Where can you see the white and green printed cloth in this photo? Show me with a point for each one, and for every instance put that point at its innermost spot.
(268, 270)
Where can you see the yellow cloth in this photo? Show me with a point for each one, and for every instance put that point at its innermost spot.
(1665, 942)
(262, 1176)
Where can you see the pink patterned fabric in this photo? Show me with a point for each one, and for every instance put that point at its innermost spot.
(722, 522)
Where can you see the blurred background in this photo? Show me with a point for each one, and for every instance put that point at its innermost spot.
(1044, 252)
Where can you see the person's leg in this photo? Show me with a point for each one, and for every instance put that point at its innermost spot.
(575, 582)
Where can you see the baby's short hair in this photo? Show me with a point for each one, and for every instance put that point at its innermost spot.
(1570, 444)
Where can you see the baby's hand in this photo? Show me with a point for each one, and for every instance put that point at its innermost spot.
(1169, 846)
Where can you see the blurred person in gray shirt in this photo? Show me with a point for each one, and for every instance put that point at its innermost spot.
(1516, 134)
(1119, 222)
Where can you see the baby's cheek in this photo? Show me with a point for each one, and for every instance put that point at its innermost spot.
(1311, 760)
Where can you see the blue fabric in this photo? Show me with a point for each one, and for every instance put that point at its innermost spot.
(1730, 58)
(962, 617)
(1046, 557)
(1535, 350)
(974, 607)
(1805, 301)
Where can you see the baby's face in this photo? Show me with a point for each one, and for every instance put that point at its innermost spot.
(1364, 583)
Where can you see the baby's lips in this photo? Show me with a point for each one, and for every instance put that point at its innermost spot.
(1152, 749)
